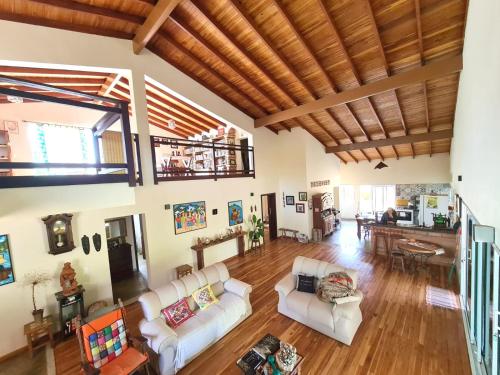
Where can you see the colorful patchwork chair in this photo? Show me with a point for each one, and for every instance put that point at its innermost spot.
(106, 348)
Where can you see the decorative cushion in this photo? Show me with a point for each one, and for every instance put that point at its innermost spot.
(335, 285)
(177, 313)
(108, 343)
(305, 283)
(204, 297)
(217, 288)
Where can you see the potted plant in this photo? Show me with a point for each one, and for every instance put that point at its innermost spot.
(256, 231)
(33, 279)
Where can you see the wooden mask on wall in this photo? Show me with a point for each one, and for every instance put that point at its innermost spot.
(59, 233)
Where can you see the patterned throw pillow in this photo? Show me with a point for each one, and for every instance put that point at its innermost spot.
(335, 285)
(204, 297)
(107, 344)
(177, 313)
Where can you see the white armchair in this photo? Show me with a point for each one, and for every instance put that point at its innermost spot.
(339, 321)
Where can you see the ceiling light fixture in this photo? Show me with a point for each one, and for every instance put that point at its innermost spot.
(171, 124)
(14, 99)
(381, 165)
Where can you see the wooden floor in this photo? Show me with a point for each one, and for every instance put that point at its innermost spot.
(412, 324)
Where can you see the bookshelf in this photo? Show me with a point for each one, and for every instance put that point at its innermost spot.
(5, 152)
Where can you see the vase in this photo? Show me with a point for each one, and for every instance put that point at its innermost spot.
(38, 315)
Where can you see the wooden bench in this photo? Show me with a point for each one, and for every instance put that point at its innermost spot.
(284, 232)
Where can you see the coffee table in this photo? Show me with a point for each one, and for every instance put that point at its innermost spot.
(266, 368)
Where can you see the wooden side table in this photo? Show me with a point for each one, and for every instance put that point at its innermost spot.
(37, 331)
(184, 270)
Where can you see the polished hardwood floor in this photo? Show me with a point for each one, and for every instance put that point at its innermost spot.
(412, 323)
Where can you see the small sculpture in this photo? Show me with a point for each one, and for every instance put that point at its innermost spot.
(67, 279)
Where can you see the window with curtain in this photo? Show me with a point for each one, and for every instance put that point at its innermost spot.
(61, 144)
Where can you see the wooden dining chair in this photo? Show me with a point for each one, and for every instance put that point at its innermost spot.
(106, 346)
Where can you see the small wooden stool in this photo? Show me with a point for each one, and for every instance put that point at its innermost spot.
(380, 233)
(256, 246)
(36, 331)
(184, 270)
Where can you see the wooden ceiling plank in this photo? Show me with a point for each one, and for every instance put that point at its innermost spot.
(242, 50)
(308, 48)
(91, 9)
(40, 21)
(169, 110)
(154, 21)
(165, 127)
(422, 137)
(153, 92)
(352, 67)
(432, 70)
(242, 12)
(422, 62)
(44, 72)
(161, 116)
(181, 105)
(207, 68)
(387, 68)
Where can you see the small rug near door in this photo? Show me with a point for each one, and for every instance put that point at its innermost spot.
(440, 297)
(42, 363)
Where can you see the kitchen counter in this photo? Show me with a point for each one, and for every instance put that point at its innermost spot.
(414, 228)
(445, 238)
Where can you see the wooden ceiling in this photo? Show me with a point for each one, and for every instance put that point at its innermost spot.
(266, 56)
(162, 106)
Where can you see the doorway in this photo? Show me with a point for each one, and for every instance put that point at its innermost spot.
(127, 257)
(269, 216)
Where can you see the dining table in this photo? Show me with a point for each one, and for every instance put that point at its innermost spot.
(419, 249)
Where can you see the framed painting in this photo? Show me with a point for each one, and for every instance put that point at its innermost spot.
(303, 196)
(235, 212)
(290, 200)
(300, 208)
(189, 216)
(6, 270)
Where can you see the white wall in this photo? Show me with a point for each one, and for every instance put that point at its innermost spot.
(475, 146)
(421, 170)
(21, 210)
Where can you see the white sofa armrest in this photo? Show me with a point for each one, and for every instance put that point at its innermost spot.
(237, 287)
(346, 310)
(158, 334)
(286, 285)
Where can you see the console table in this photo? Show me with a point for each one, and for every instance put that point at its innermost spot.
(240, 237)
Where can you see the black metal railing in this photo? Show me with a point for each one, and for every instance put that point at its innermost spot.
(114, 110)
(179, 159)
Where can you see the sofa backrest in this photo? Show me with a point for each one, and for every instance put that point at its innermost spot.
(319, 269)
(152, 302)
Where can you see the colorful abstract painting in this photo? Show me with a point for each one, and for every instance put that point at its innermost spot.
(6, 271)
(235, 211)
(190, 216)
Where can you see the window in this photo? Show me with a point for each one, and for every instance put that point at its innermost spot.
(61, 144)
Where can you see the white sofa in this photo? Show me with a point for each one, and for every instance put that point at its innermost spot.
(339, 321)
(177, 347)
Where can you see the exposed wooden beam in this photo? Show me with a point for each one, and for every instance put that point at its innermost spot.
(340, 41)
(92, 9)
(423, 137)
(387, 69)
(71, 26)
(432, 70)
(249, 81)
(278, 54)
(422, 62)
(156, 18)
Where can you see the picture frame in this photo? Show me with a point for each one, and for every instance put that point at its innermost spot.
(11, 126)
(300, 208)
(6, 268)
(303, 196)
(235, 212)
(189, 216)
(290, 200)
